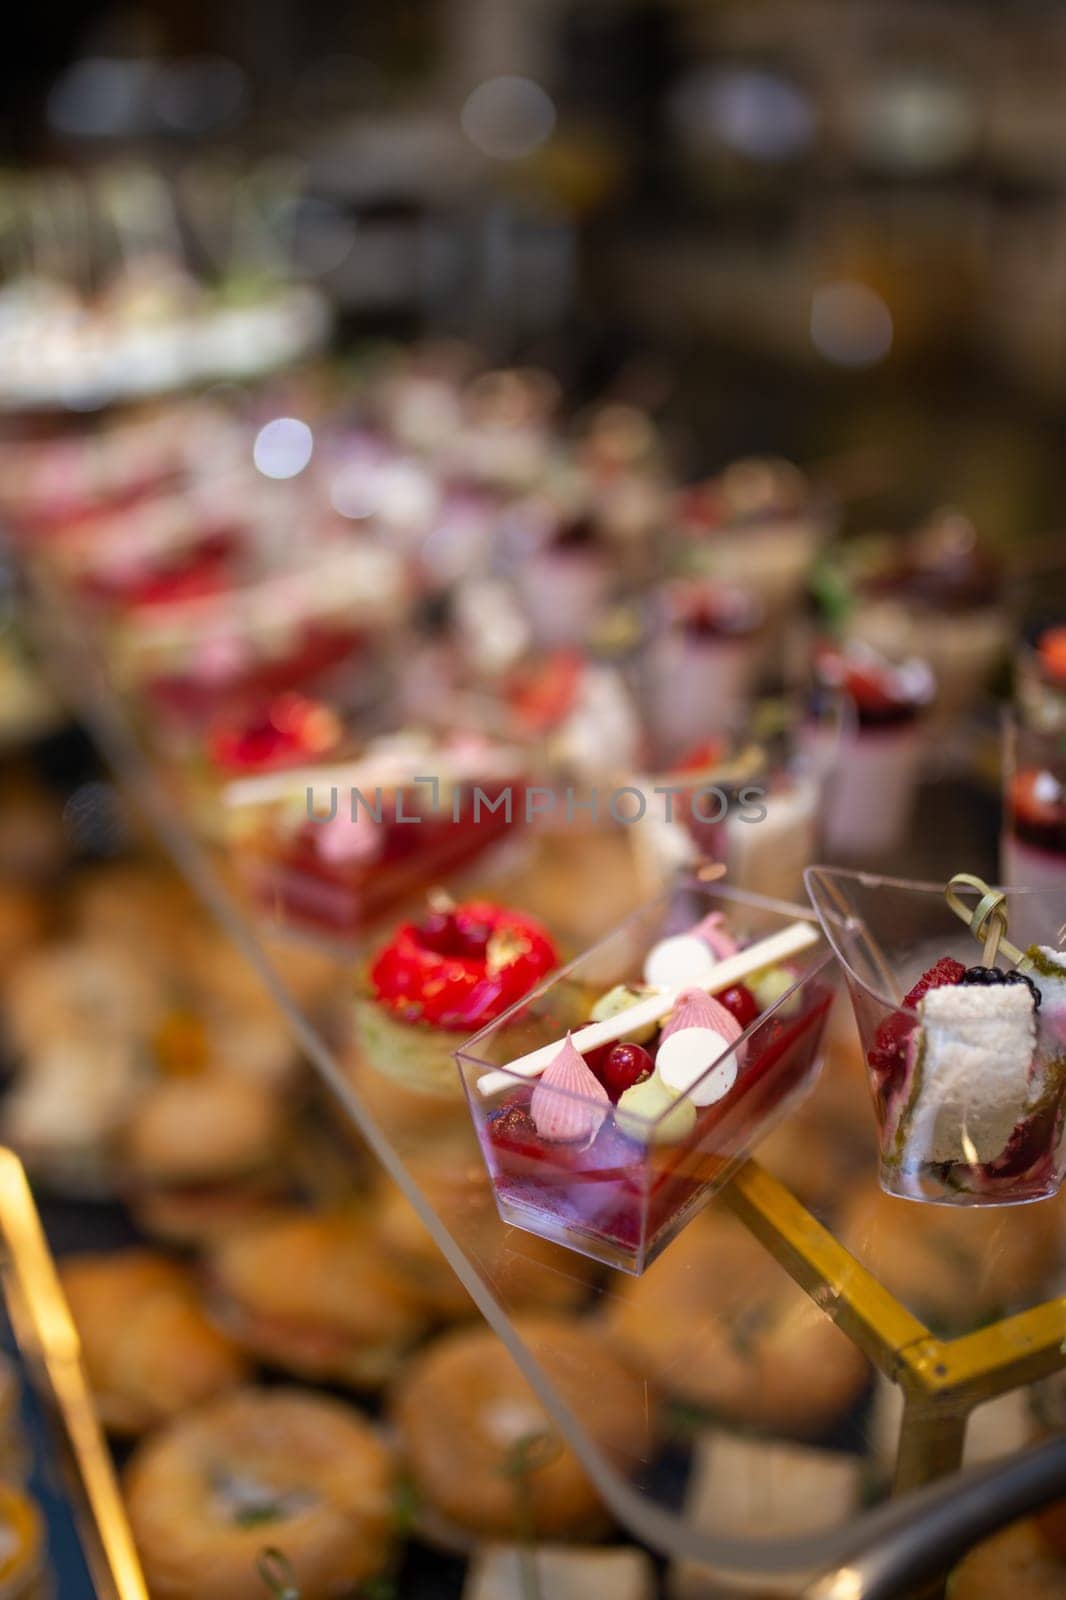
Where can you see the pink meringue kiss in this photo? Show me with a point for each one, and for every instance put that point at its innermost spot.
(695, 1009)
(699, 1033)
(713, 933)
(569, 1104)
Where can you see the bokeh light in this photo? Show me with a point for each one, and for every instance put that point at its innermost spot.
(850, 324)
(283, 448)
(508, 118)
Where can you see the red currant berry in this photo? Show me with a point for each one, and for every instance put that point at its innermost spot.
(740, 1003)
(437, 932)
(596, 1060)
(626, 1064)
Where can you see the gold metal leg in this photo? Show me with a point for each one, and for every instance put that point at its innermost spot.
(931, 1437)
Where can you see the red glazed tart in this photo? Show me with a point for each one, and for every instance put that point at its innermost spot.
(441, 979)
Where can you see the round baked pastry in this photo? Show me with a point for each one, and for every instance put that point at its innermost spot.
(204, 1153)
(716, 1323)
(70, 1098)
(1015, 1562)
(144, 907)
(469, 1423)
(149, 1350)
(316, 1295)
(261, 1468)
(523, 1270)
(219, 972)
(96, 986)
(956, 1266)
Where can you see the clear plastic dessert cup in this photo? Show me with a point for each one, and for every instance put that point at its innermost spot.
(966, 1070)
(638, 1169)
(1033, 845)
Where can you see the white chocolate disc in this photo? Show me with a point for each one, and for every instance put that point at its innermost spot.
(684, 1058)
(680, 962)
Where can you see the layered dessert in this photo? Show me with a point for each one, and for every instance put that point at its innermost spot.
(264, 738)
(506, 440)
(330, 848)
(608, 1138)
(308, 628)
(936, 595)
(755, 525)
(620, 452)
(1041, 679)
(1033, 847)
(702, 666)
(580, 711)
(870, 747)
(565, 585)
(969, 1078)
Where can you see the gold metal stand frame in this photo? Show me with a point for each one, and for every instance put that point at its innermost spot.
(941, 1379)
(49, 1342)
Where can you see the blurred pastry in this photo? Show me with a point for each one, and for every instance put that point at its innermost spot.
(716, 1323)
(23, 919)
(758, 524)
(252, 1041)
(33, 840)
(139, 905)
(70, 1098)
(483, 1453)
(147, 1345)
(316, 1295)
(937, 594)
(92, 986)
(203, 1153)
(218, 970)
(522, 1270)
(956, 1266)
(261, 1468)
(1018, 1561)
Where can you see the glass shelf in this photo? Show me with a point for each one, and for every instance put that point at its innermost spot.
(778, 1320)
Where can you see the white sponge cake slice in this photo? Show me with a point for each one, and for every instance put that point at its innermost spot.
(972, 1073)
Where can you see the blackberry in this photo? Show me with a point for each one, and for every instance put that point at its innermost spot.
(992, 975)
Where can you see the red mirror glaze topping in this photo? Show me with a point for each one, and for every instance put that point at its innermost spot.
(460, 969)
